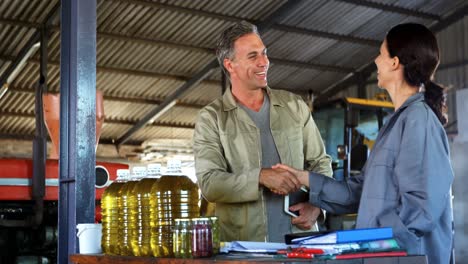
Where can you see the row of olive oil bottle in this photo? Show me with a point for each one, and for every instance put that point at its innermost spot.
(138, 211)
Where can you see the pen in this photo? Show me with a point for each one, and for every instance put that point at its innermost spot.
(309, 250)
(301, 250)
(299, 255)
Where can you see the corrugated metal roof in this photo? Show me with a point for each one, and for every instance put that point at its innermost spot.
(332, 16)
(147, 49)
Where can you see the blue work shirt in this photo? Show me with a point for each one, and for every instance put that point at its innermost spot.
(405, 183)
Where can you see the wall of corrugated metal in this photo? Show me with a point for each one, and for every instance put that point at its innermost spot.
(453, 43)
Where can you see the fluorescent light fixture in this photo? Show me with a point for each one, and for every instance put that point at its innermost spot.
(22, 63)
(18, 68)
(164, 110)
(3, 90)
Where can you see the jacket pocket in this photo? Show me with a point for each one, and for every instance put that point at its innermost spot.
(241, 150)
(290, 146)
(384, 157)
(379, 175)
(231, 218)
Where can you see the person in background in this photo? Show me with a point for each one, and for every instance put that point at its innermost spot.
(407, 179)
(239, 136)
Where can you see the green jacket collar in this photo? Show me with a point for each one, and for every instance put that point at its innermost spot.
(229, 103)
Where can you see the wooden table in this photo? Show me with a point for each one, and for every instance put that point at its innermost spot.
(105, 259)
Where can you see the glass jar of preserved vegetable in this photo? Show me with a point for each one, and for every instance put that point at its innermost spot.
(202, 243)
(215, 234)
(182, 243)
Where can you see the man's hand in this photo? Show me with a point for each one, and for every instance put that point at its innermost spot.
(301, 175)
(279, 181)
(308, 215)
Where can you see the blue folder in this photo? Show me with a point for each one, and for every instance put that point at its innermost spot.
(346, 236)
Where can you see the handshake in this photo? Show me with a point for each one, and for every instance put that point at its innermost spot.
(282, 179)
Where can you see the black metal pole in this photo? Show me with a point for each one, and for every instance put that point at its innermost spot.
(40, 137)
(77, 121)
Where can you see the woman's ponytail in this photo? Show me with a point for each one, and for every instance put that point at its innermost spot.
(435, 97)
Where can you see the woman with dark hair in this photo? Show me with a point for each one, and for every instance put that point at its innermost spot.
(406, 181)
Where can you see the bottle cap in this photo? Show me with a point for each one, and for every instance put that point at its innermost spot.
(138, 172)
(123, 174)
(153, 170)
(174, 167)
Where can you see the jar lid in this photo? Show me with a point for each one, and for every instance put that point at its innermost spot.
(182, 219)
(201, 219)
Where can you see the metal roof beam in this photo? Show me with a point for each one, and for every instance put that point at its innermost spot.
(456, 64)
(347, 81)
(147, 41)
(328, 35)
(140, 100)
(113, 121)
(30, 137)
(139, 73)
(450, 19)
(169, 100)
(277, 15)
(125, 99)
(180, 9)
(313, 66)
(393, 8)
(154, 124)
(15, 22)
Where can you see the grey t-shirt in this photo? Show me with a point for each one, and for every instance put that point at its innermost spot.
(279, 223)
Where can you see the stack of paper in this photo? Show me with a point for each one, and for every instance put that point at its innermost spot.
(347, 243)
(346, 236)
(252, 247)
(356, 243)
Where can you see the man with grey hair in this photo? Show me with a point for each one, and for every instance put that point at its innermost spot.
(240, 136)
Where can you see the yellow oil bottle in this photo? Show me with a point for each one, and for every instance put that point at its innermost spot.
(127, 210)
(141, 230)
(110, 214)
(173, 196)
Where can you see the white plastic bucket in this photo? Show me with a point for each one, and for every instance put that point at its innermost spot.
(89, 236)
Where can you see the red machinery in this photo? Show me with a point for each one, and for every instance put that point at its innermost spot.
(28, 225)
(20, 241)
(16, 174)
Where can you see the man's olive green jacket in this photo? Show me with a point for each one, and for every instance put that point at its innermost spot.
(228, 158)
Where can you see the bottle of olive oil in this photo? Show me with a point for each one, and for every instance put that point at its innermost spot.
(128, 210)
(110, 214)
(140, 236)
(173, 196)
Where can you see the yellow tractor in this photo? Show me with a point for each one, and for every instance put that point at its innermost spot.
(349, 128)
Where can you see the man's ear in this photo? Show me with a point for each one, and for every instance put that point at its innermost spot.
(228, 65)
